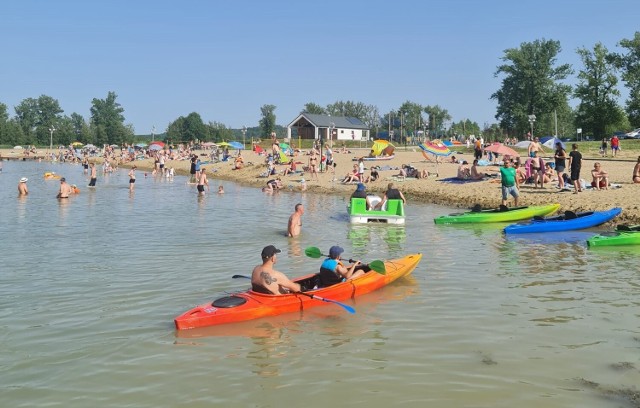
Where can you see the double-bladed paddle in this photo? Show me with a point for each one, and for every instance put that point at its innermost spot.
(377, 266)
(312, 296)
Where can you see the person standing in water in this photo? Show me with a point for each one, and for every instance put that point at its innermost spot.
(132, 178)
(22, 186)
(295, 221)
(93, 176)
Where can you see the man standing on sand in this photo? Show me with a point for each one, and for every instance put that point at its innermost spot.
(22, 186)
(65, 189)
(202, 181)
(265, 279)
(295, 221)
(534, 147)
(92, 182)
(575, 162)
(510, 184)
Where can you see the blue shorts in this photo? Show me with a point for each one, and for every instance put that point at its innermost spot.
(513, 190)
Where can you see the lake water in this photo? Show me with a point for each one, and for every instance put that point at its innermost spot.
(89, 289)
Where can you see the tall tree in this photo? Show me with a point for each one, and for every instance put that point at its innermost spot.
(314, 108)
(531, 83)
(438, 116)
(268, 120)
(596, 89)
(218, 132)
(36, 117)
(107, 121)
(629, 64)
(349, 108)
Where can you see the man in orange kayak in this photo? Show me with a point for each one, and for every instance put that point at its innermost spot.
(265, 279)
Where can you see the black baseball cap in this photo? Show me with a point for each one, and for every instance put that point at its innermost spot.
(269, 251)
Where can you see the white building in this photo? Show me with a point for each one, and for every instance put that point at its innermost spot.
(326, 127)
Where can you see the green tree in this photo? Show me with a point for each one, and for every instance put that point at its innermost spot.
(107, 121)
(218, 132)
(268, 120)
(629, 63)
(530, 84)
(349, 108)
(437, 118)
(598, 110)
(81, 129)
(36, 117)
(314, 108)
(465, 128)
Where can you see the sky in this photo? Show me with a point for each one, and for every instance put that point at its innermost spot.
(226, 59)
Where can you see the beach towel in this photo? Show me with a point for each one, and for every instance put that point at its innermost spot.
(455, 180)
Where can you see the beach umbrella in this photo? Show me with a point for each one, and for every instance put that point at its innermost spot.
(436, 148)
(284, 146)
(236, 145)
(523, 145)
(545, 139)
(208, 144)
(501, 149)
(141, 145)
(155, 147)
(551, 143)
(223, 144)
(157, 142)
(77, 144)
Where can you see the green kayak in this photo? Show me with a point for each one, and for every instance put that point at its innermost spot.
(625, 235)
(497, 215)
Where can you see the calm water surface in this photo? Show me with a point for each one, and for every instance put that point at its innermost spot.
(89, 289)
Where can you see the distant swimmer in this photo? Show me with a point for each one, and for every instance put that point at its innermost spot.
(22, 186)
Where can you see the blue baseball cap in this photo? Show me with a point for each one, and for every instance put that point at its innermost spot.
(335, 251)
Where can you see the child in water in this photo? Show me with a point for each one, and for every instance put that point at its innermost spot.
(220, 190)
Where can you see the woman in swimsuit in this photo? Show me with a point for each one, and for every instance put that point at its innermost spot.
(313, 165)
(636, 172)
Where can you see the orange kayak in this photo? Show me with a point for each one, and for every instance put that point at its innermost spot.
(251, 305)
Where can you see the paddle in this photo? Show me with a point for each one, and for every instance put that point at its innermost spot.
(377, 266)
(312, 296)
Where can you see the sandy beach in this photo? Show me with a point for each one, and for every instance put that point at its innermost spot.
(431, 189)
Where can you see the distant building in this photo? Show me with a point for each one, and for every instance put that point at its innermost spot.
(312, 126)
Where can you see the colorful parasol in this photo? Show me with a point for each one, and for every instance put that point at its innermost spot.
(157, 142)
(501, 149)
(436, 148)
(236, 145)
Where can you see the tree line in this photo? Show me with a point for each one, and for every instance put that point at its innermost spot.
(533, 83)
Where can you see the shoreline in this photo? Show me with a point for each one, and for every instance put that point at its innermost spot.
(428, 190)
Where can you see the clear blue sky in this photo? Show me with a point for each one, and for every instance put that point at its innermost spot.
(226, 59)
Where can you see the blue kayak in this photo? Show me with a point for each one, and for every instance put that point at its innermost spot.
(567, 222)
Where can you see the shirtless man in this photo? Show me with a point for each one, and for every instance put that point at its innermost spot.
(22, 186)
(92, 182)
(600, 178)
(295, 221)
(534, 147)
(132, 178)
(636, 172)
(265, 279)
(65, 189)
(202, 181)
